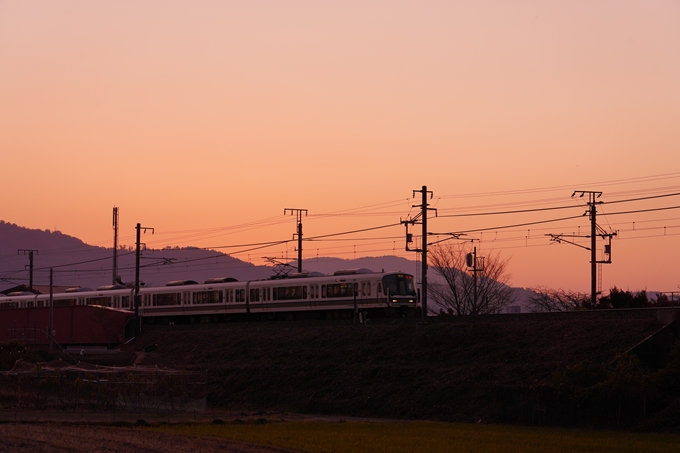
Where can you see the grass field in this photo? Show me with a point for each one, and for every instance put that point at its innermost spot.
(351, 437)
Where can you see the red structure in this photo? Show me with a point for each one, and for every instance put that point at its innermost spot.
(73, 325)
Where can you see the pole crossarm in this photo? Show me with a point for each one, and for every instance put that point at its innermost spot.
(457, 236)
(582, 193)
(559, 238)
(409, 236)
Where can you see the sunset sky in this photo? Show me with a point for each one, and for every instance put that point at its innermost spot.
(205, 119)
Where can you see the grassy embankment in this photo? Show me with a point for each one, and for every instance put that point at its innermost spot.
(430, 437)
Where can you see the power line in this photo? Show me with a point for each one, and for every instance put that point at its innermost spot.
(667, 208)
(644, 198)
(568, 187)
(353, 231)
(508, 226)
(520, 211)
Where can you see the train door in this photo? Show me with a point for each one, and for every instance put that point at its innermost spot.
(313, 295)
(256, 299)
(364, 292)
(186, 300)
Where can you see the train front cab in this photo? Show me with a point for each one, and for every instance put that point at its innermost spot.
(400, 290)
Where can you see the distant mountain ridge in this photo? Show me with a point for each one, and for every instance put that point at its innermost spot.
(76, 263)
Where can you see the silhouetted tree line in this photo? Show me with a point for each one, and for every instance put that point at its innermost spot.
(548, 299)
(460, 291)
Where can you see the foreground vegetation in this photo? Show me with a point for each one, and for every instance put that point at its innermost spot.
(350, 437)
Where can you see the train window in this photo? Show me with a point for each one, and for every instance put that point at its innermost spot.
(323, 291)
(9, 305)
(104, 301)
(240, 295)
(366, 289)
(269, 294)
(208, 297)
(399, 285)
(290, 293)
(64, 302)
(379, 287)
(254, 294)
(167, 299)
(339, 290)
(125, 302)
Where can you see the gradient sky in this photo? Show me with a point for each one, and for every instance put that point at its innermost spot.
(206, 119)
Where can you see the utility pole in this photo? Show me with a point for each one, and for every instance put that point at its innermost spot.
(299, 231)
(138, 253)
(423, 268)
(593, 244)
(30, 265)
(474, 276)
(471, 260)
(595, 231)
(115, 245)
(51, 327)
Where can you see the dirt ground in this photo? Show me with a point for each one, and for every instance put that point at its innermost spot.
(55, 438)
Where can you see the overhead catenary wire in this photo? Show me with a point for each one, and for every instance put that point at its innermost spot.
(388, 205)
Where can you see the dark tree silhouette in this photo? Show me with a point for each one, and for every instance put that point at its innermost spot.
(548, 299)
(624, 299)
(455, 295)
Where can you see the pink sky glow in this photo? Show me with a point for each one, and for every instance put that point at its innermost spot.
(206, 119)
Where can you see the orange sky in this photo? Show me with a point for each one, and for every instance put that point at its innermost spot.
(197, 117)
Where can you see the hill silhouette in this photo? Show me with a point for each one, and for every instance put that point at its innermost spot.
(76, 263)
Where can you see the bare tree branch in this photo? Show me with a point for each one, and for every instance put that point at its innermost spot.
(455, 292)
(548, 299)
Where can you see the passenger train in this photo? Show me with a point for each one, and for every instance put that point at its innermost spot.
(295, 296)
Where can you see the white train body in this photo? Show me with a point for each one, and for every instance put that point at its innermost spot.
(345, 290)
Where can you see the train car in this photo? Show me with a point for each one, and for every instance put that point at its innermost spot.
(296, 296)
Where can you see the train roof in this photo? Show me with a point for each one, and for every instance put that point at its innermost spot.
(77, 289)
(107, 288)
(219, 280)
(181, 283)
(361, 270)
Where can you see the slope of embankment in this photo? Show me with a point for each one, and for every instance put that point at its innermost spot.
(447, 369)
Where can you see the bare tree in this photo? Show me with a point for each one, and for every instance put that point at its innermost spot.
(461, 293)
(548, 299)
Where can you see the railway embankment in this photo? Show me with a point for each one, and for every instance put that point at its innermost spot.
(564, 369)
